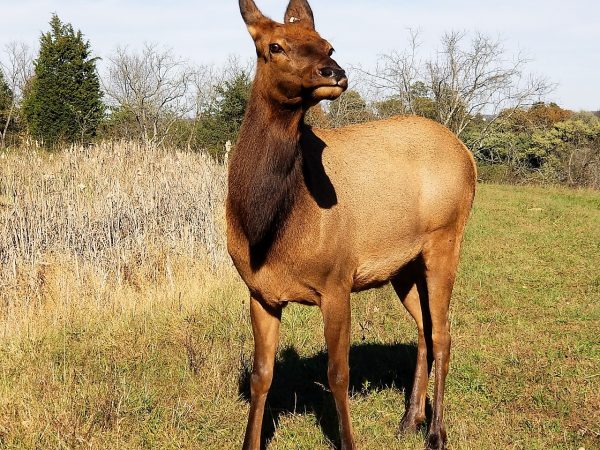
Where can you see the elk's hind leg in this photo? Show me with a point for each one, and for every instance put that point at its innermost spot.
(410, 286)
(440, 256)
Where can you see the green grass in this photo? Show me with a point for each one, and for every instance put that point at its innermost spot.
(169, 369)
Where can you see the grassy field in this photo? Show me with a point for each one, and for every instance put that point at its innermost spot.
(141, 338)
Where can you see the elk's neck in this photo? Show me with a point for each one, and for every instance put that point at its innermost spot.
(265, 170)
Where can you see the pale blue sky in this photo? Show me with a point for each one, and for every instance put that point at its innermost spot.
(561, 37)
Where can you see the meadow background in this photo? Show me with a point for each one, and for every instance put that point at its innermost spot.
(123, 324)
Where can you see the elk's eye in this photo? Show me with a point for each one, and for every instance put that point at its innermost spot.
(330, 52)
(275, 48)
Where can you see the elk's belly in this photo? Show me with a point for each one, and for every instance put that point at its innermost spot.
(376, 269)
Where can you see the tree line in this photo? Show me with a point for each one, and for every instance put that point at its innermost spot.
(470, 85)
(152, 96)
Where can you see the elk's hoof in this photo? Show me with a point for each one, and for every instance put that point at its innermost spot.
(436, 440)
(348, 446)
(408, 425)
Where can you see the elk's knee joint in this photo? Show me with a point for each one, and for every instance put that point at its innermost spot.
(261, 379)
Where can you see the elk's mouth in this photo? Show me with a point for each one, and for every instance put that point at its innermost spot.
(330, 91)
(327, 92)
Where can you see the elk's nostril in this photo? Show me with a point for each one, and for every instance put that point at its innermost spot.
(332, 72)
(340, 74)
(326, 72)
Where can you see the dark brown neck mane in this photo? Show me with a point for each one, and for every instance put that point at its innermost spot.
(265, 170)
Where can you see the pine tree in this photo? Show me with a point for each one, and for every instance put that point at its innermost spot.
(6, 99)
(223, 123)
(234, 94)
(5, 96)
(64, 102)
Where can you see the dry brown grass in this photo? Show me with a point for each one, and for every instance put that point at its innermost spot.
(105, 216)
(112, 258)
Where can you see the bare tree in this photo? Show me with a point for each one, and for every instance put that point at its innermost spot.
(203, 81)
(477, 80)
(154, 86)
(206, 83)
(396, 73)
(18, 69)
(348, 109)
(461, 81)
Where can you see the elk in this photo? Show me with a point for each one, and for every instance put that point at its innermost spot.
(313, 215)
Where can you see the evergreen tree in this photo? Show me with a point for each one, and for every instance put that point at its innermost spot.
(5, 95)
(64, 102)
(6, 99)
(234, 94)
(223, 123)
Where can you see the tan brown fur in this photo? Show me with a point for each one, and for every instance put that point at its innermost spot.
(316, 214)
(418, 181)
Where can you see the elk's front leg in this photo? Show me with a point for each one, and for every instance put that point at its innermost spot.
(336, 317)
(265, 327)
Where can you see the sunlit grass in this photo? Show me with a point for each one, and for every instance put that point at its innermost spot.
(147, 345)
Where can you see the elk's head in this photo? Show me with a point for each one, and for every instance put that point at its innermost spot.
(294, 63)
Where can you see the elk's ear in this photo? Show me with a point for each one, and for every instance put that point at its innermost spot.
(252, 17)
(299, 11)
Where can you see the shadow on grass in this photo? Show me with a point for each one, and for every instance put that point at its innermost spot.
(300, 383)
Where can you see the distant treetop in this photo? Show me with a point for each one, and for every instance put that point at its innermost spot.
(64, 102)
